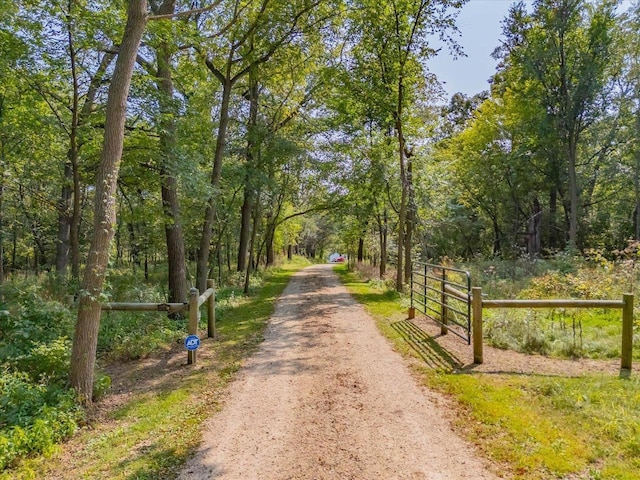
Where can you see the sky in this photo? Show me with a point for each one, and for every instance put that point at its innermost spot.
(480, 24)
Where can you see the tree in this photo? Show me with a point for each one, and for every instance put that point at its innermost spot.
(392, 46)
(557, 58)
(86, 333)
(67, 69)
(161, 70)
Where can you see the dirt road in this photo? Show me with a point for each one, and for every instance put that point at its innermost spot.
(326, 397)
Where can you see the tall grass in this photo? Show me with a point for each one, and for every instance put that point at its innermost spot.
(568, 333)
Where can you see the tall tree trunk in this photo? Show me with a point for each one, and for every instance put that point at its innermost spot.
(269, 239)
(252, 246)
(83, 356)
(574, 192)
(69, 214)
(554, 240)
(402, 214)
(533, 234)
(360, 250)
(410, 221)
(382, 237)
(64, 221)
(245, 225)
(177, 270)
(2, 160)
(497, 243)
(66, 211)
(271, 218)
(202, 267)
(249, 179)
(76, 214)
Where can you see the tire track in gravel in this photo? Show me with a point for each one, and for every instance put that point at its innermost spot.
(326, 397)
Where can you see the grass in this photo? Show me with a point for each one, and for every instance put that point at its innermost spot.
(530, 426)
(155, 430)
(569, 333)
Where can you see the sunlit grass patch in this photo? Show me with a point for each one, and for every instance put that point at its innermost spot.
(533, 427)
(567, 333)
(154, 431)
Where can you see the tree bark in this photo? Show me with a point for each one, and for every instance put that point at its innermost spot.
(85, 340)
(410, 221)
(402, 214)
(249, 179)
(269, 238)
(177, 270)
(64, 222)
(210, 212)
(245, 225)
(574, 192)
(252, 246)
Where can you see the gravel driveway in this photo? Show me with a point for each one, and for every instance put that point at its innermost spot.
(326, 397)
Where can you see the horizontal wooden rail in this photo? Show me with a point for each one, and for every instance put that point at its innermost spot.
(146, 307)
(552, 303)
(205, 296)
(626, 305)
(193, 307)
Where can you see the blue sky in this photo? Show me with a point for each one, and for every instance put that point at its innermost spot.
(480, 24)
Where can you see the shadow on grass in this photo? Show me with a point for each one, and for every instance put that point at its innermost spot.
(426, 347)
(165, 461)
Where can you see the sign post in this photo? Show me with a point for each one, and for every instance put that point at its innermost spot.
(194, 314)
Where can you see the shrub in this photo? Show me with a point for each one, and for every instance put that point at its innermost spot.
(34, 417)
(47, 361)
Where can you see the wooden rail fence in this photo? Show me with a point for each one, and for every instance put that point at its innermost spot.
(192, 306)
(477, 303)
(626, 305)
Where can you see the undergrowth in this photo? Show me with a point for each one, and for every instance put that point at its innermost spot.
(38, 411)
(567, 333)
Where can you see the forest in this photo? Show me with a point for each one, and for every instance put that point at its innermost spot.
(166, 142)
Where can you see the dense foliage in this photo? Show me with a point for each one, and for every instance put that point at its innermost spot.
(205, 139)
(37, 409)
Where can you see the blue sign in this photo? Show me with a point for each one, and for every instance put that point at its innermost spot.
(192, 342)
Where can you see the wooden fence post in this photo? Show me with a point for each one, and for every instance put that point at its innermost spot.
(192, 329)
(476, 303)
(211, 310)
(627, 332)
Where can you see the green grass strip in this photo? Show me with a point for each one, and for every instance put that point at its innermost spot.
(153, 433)
(532, 427)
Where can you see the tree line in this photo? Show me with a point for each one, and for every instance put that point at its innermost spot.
(209, 136)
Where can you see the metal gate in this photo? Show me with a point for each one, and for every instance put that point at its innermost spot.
(443, 294)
